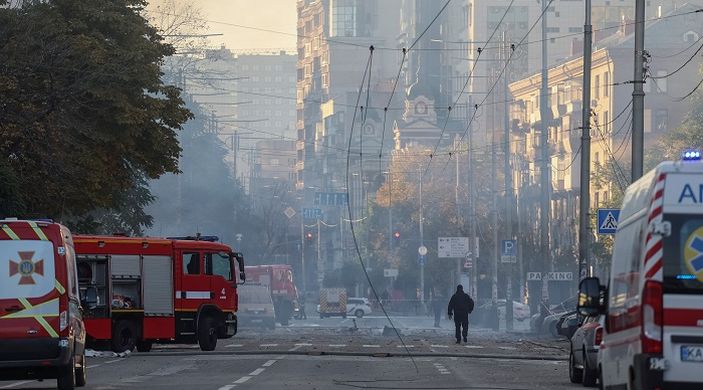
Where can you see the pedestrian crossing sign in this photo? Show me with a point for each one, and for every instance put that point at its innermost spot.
(608, 221)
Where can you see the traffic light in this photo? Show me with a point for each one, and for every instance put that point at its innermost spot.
(396, 235)
(309, 236)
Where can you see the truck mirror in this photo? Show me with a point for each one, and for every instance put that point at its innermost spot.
(240, 262)
(91, 297)
(589, 298)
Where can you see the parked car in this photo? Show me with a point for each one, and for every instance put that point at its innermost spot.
(568, 324)
(545, 320)
(359, 307)
(583, 354)
(256, 306)
(549, 325)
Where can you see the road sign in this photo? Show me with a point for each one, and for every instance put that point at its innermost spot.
(508, 251)
(422, 250)
(453, 247)
(289, 212)
(468, 263)
(421, 260)
(311, 213)
(608, 220)
(331, 199)
(561, 276)
(551, 276)
(390, 272)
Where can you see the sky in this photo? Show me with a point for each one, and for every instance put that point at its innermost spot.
(278, 15)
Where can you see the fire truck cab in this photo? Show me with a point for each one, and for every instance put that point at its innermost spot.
(147, 290)
(42, 334)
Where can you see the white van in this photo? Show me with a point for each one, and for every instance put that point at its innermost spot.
(653, 301)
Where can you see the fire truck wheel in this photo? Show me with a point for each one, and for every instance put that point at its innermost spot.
(67, 376)
(124, 336)
(144, 346)
(207, 334)
(81, 373)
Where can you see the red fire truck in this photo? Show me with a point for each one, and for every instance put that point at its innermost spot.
(146, 290)
(279, 279)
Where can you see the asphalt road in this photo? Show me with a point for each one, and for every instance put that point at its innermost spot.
(339, 354)
(225, 372)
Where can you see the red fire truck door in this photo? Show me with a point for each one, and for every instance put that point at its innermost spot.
(218, 269)
(194, 288)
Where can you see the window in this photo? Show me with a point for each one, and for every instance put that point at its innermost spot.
(191, 263)
(661, 120)
(218, 264)
(344, 18)
(606, 84)
(596, 87)
(660, 82)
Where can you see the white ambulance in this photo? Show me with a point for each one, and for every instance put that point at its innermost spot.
(653, 300)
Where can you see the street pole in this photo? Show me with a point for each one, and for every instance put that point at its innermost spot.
(545, 166)
(390, 213)
(302, 255)
(320, 266)
(585, 187)
(422, 243)
(638, 94)
(508, 188)
(458, 211)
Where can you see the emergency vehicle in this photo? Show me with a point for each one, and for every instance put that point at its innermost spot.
(333, 302)
(41, 329)
(653, 302)
(279, 279)
(148, 290)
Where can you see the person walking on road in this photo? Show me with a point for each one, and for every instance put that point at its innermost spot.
(460, 305)
(437, 304)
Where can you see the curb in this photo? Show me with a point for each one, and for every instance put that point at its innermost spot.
(357, 354)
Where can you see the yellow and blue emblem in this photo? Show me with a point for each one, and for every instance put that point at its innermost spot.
(693, 253)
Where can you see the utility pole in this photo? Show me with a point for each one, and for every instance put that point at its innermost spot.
(585, 187)
(508, 186)
(319, 258)
(545, 166)
(638, 94)
(472, 208)
(494, 216)
(456, 204)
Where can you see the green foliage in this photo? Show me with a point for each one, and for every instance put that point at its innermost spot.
(85, 117)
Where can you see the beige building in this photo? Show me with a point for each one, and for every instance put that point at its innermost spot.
(611, 94)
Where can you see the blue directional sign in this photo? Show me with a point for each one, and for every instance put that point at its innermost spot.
(331, 199)
(608, 221)
(310, 213)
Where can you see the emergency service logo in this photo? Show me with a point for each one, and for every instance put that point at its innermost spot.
(26, 268)
(693, 253)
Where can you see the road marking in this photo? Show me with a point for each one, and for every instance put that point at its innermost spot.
(234, 346)
(337, 345)
(303, 345)
(508, 348)
(405, 346)
(228, 387)
(269, 363)
(371, 346)
(242, 379)
(297, 347)
(268, 345)
(93, 366)
(257, 371)
(11, 385)
(113, 361)
(439, 346)
(473, 346)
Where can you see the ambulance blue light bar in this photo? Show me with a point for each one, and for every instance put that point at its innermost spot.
(691, 155)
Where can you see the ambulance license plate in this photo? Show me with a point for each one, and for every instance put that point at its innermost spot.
(691, 353)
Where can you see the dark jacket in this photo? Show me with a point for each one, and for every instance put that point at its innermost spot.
(461, 304)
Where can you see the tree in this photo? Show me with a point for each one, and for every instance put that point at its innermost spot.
(84, 116)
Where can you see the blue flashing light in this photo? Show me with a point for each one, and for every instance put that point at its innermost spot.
(691, 155)
(685, 277)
